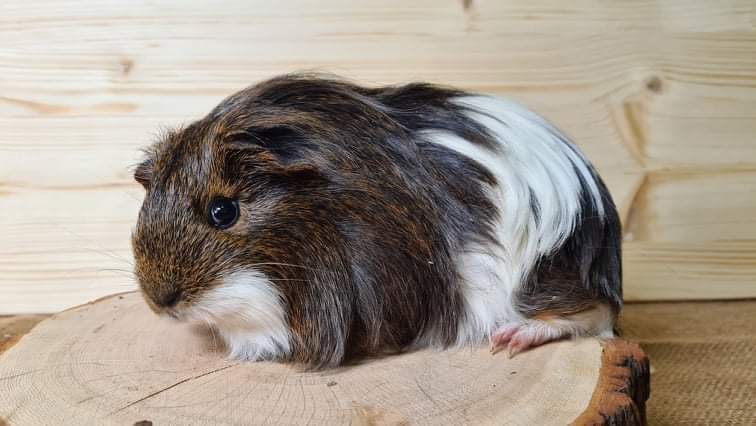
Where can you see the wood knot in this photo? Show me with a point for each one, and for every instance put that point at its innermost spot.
(126, 66)
(654, 84)
(467, 4)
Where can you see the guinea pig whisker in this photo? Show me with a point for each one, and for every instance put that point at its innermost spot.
(110, 255)
(99, 248)
(126, 272)
(69, 272)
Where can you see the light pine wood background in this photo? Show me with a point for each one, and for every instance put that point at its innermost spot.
(661, 95)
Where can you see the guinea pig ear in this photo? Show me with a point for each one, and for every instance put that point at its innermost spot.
(143, 173)
(285, 149)
(282, 141)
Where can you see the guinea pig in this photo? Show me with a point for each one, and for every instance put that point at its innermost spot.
(312, 220)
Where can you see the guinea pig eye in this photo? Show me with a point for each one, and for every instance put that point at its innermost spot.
(222, 212)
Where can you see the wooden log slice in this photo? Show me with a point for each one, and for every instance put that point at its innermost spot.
(113, 361)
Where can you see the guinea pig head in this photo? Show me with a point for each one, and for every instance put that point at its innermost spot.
(226, 222)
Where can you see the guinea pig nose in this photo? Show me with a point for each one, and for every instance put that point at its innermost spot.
(167, 299)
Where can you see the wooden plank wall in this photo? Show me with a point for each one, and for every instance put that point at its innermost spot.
(660, 94)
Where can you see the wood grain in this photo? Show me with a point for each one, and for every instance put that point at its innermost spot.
(114, 362)
(660, 95)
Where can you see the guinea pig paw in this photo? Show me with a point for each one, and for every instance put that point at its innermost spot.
(521, 337)
(501, 337)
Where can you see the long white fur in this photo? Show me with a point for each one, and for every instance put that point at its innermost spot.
(530, 159)
(249, 314)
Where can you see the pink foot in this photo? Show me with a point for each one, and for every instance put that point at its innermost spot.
(517, 338)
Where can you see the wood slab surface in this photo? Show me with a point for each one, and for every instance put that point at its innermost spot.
(113, 361)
